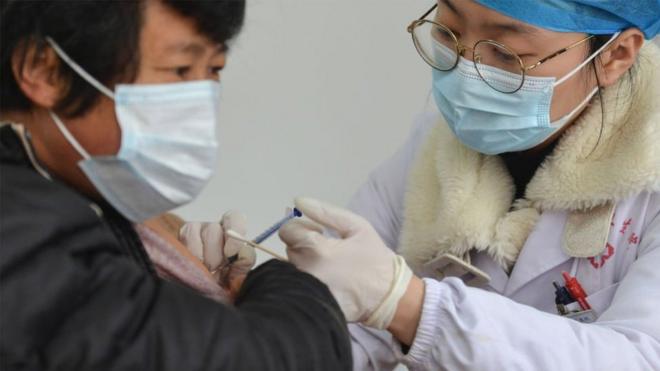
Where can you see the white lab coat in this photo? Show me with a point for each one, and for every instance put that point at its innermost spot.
(512, 324)
(518, 329)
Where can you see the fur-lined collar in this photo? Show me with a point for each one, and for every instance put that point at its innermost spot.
(586, 172)
(459, 200)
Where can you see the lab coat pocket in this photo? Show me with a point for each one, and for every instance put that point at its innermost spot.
(602, 299)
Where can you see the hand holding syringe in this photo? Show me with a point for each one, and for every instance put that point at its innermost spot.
(295, 213)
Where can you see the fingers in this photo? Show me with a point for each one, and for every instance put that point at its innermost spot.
(343, 221)
(232, 247)
(212, 236)
(210, 243)
(300, 233)
(236, 245)
(246, 256)
(191, 236)
(236, 221)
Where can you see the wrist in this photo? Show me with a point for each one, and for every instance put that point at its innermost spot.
(408, 312)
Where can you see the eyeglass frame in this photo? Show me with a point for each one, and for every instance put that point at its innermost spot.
(460, 49)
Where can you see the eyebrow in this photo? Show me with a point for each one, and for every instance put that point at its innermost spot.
(512, 27)
(451, 7)
(192, 48)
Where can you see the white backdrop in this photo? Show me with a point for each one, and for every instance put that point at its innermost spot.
(315, 95)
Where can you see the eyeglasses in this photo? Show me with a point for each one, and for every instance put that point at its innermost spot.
(440, 48)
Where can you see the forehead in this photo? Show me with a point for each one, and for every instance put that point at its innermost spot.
(473, 14)
(165, 31)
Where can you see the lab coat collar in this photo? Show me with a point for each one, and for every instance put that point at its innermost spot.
(535, 258)
(498, 277)
(540, 253)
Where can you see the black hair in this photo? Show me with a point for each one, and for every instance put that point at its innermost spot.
(100, 35)
(595, 44)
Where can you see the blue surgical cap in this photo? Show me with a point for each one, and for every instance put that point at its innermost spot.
(596, 17)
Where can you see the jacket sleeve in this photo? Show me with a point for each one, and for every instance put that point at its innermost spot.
(72, 301)
(381, 198)
(497, 333)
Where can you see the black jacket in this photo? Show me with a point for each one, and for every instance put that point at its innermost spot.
(77, 292)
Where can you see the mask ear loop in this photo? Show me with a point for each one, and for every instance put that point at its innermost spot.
(91, 80)
(594, 55)
(79, 70)
(69, 137)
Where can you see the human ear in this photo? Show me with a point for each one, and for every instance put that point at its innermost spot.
(619, 57)
(36, 74)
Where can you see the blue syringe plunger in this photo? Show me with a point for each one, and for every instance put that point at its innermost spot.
(295, 213)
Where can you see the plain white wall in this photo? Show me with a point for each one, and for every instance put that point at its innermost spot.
(315, 95)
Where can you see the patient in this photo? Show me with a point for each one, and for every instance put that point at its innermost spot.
(108, 112)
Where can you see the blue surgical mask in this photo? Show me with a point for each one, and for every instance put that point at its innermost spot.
(168, 146)
(492, 122)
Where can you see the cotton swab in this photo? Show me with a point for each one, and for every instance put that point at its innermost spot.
(236, 236)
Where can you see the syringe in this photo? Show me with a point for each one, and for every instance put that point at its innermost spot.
(236, 236)
(295, 213)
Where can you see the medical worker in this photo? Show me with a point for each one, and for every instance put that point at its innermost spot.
(109, 112)
(527, 211)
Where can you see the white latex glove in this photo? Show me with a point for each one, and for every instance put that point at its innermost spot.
(226, 258)
(364, 275)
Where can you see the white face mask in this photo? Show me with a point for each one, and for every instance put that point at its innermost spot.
(168, 146)
(491, 122)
